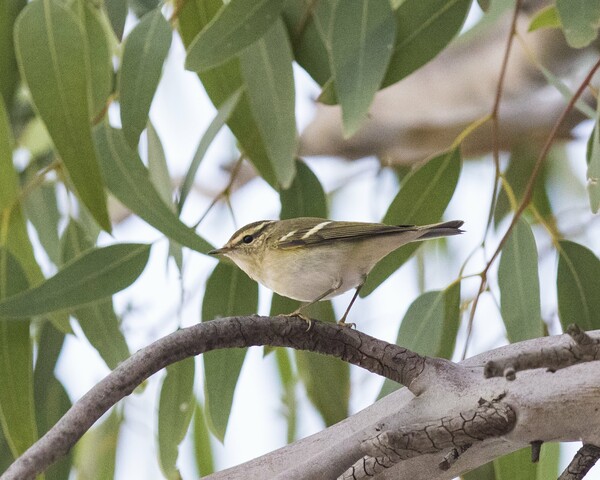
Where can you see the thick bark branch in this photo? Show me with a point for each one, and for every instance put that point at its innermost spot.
(388, 360)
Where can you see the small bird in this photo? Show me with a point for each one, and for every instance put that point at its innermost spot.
(312, 259)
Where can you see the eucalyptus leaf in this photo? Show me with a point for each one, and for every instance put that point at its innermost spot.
(221, 82)
(269, 79)
(9, 73)
(95, 275)
(175, 409)
(223, 114)
(593, 171)
(144, 53)
(229, 291)
(17, 410)
(547, 17)
(98, 320)
(577, 286)
(422, 199)
(520, 285)
(580, 21)
(117, 14)
(361, 47)
(424, 28)
(202, 447)
(51, 49)
(237, 25)
(305, 197)
(515, 466)
(429, 327)
(127, 179)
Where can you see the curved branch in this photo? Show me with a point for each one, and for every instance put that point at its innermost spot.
(391, 361)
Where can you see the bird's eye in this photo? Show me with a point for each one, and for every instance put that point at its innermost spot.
(248, 239)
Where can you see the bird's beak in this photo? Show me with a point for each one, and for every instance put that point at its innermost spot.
(219, 251)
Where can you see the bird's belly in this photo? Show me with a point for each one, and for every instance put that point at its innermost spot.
(308, 275)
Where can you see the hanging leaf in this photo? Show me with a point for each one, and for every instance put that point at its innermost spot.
(17, 411)
(361, 47)
(424, 28)
(520, 285)
(144, 53)
(175, 410)
(202, 447)
(305, 197)
(93, 276)
(117, 14)
(9, 73)
(229, 291)
(221, 82)
(422, 199)
(51, 49)
(429, 327)
(98, 320)
(547, 17)
(577, 285)
(269, 79)
(127, 178)
(580, 21)
(238, 24)
(223, 115)
(593, 171)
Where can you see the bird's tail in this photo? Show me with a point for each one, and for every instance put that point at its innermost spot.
(443, 229)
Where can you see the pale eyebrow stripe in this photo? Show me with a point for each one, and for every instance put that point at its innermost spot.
(255, 231)
(314, 230)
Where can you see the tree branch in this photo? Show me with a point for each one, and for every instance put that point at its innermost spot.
(583, 348)
(585, 458)
(388, 360)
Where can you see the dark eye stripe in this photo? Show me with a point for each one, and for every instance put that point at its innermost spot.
(253, 230)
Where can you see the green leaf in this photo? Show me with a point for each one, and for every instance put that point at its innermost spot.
(175, 410)
(429, 327)
(229, 291)
(99, 64)
(580, 20)
(93, 276)
(547, 17)
(577, 286)
(522, 161)
(17, 411)
(9, 73)
(361, 47)
(41, 209)
(309, 26)
(17, 240)
(96, 452)
(288, 397)
(269, 79)
(202, 447)
(484, 472)
(98, 320)
(326, 379)
(144, 53)
(128, 180)
(51, 48)
(305, 197)
(422, 199)
(520, 285)
(221, 82)
(515, 466)
(117, 14)
(424, 28)
(51, 399)
(593, 171)
(223, 114)
(237, 25)
(158, 168)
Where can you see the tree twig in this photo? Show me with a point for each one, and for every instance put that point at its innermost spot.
(585, 458)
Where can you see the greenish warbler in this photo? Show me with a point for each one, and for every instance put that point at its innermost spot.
(312, 259)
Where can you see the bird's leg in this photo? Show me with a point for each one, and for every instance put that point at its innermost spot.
(342, 321)
(296, 313)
